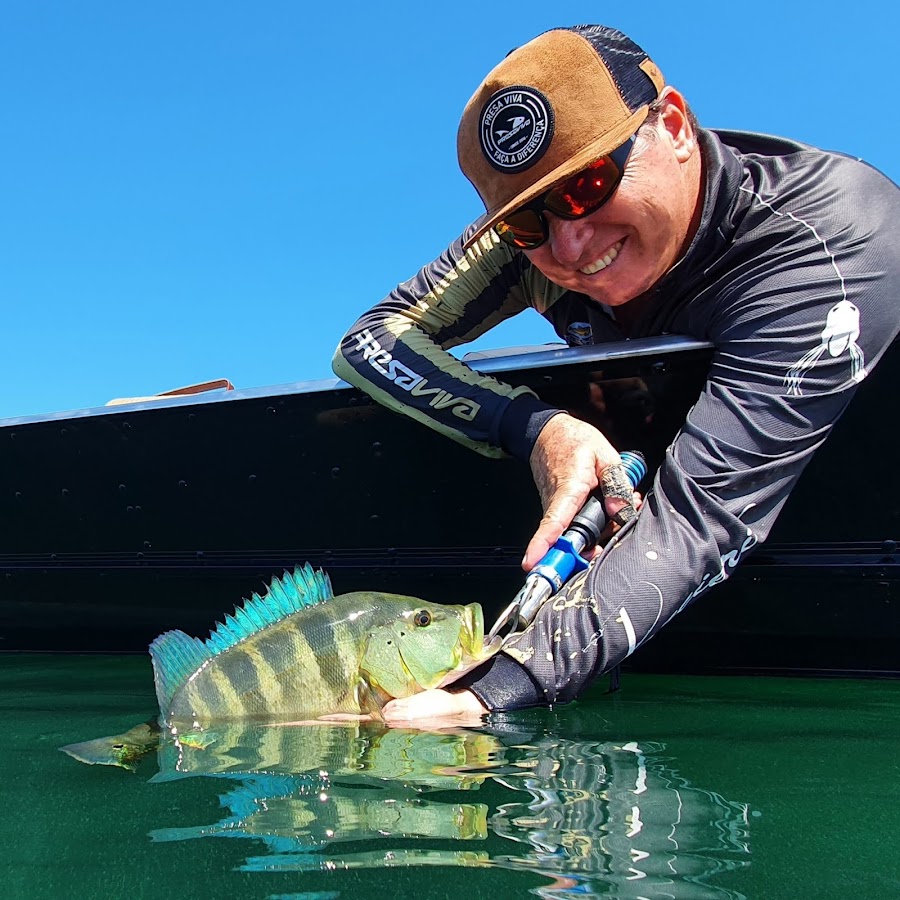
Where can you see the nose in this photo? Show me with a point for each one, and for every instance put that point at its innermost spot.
(568, 238)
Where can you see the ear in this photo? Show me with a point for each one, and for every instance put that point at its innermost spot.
(674, 118)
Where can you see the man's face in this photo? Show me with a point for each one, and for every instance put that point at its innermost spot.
(623, 249)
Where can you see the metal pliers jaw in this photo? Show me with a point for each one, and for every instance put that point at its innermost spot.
(524, 607)
(508, 619)
(564, 558)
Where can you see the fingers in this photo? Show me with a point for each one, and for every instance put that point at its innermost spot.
(618, 494)
(612, 527)
(569, 460)
(435, 708)
(549, 530)
(566, 460)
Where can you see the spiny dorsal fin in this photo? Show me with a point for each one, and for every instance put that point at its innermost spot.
(285, 596)
(176, 656)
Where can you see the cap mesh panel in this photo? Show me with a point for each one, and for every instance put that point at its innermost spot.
(623, 58)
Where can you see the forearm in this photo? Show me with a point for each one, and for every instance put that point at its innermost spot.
(397, 352)
(711, 503)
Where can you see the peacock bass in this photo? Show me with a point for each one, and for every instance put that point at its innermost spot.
(298, 652)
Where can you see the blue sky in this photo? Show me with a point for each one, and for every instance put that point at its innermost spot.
(202, 189)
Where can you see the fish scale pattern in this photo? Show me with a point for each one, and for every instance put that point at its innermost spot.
(176, 655)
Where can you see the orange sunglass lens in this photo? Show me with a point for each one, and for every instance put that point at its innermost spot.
(584, 191)
(523, 228)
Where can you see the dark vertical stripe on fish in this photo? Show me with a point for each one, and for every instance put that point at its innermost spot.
(272, 649)
(207, 697)
(307, 650)
(240, 671)
(328, 660)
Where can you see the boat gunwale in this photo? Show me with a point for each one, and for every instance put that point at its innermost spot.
(515, 359)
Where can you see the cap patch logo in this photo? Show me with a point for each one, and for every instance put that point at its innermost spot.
(516, 127)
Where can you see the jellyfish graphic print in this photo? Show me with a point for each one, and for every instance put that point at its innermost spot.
(838, 337)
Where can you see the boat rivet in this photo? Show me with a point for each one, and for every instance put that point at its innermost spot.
(126, 426)
(129, 509)
(137, 509)
(251, 479)
(889, 546)
(121, 487)
(335, 472)
(18, 495)
(147, 545)
(660, 367)
(270, 410)
(182, 483)
(65, 492)
(63, 431)
(140, 555)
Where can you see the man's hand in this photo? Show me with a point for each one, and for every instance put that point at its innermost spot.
(436, 708)
(567, 462)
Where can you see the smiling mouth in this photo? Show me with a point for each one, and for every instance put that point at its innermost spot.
(599, 264)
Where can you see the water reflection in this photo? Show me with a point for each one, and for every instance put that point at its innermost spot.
(594, 818)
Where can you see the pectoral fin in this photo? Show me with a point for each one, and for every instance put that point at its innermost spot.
(369, 699)
(198, 740)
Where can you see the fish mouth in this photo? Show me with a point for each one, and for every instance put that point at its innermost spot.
(478, 648)
(473, 616)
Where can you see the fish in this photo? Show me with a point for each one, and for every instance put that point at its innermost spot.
(301, 788)
(299, 653)
(599, 816)
(298, 815)
(367, 751)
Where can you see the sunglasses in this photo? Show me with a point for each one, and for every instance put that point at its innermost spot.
(578, 196)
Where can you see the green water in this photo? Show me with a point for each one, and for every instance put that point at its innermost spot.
(674, 787)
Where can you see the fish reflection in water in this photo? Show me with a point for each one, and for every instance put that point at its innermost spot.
(595, 818)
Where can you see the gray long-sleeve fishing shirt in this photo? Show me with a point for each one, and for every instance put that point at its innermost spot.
(793, 276)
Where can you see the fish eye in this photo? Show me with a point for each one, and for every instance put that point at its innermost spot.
(422, 618)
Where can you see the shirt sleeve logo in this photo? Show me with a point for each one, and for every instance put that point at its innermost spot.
(839, 336)
(516, 128)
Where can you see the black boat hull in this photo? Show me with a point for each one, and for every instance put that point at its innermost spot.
(122, 522)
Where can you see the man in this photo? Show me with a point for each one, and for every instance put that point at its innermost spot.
(607, 204)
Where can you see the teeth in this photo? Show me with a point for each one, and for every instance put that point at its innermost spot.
(604, 261)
